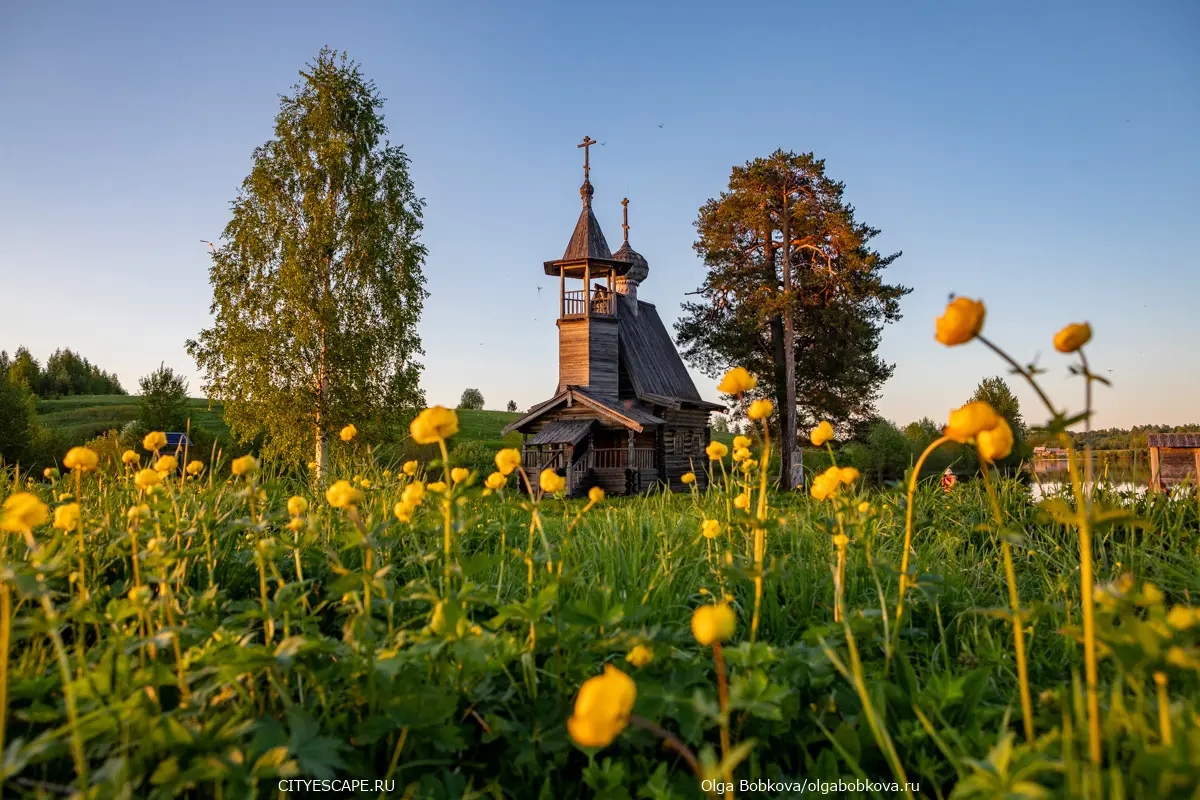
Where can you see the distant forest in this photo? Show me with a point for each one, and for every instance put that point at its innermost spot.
(1114, 438)
(64, 373)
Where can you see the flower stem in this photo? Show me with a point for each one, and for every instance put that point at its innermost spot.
(908, 525)
(723, 700)
(1015, 603)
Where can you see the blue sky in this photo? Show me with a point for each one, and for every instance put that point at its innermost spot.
(1041, 156)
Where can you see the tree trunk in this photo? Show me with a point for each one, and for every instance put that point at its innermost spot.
(322, 426)
(788, 474)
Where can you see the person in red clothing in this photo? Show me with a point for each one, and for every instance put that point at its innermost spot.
(948, 480)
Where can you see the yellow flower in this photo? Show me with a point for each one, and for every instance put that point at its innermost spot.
(195, 467)
(995, 443)
(295, 524)
(640, 656)
(826, 484)
(595, 494)
(688, 477)
(713, 624)
(1072, 337)
(1182, 617)
(961, 322)
(742, 501)
(737, 381)
(342, 495)
(22, 512)
(50, 473)
(741, 443)
(83, 459)
(348, 433)
(821, 434)
(459, 474)
(434, 425)
(437, 486)
(403, 511)
(312, 465)
(155, 440)
(365, 483)
(146, 478)
(716, 451)
(864, 507)
(602, 708)
(166, 464)
(847, 475)
(138, 512)
(760, 409)
(710, 528)
(67, 517)
(245, 465)
(297, 505)
(410, 468)
(966, 423)
(551, 482)
(840, 540)
(413, 493)
(495, 481)
(507, 460)
(741, 453)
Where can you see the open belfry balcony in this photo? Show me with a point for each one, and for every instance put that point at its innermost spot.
(575, 304)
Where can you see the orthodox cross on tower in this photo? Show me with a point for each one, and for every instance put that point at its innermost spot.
(625, 217)
(586, 145)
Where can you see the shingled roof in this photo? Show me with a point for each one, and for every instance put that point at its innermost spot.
(587, 241)
(650, 358)
(1181, 440)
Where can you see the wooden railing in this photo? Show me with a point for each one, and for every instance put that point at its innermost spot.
(574, 304)
(618, 458)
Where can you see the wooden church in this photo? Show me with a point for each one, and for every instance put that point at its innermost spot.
(625, 415)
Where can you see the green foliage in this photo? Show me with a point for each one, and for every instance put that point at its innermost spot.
(18, 422)
(317, 286)
(66, 373)
(472, 400)
(162, 404)
(996, 393)
(883, 455)
(290, 672)
(838, 302)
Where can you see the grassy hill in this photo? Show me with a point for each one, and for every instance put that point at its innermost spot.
(79, 418)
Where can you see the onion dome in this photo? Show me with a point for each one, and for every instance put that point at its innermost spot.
(639, 268)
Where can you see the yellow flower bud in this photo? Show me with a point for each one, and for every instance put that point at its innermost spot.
(716, 451)
(508, 460)
(434, 425)
(821, 434)
(244, 465)
(713, 624)
(146, 478)
(710, 528)
(410, 468)
(595, 494)
(737, 381)
(602, 708)
(459, 474)
(348, 433)
(67, 517)
(551, 482)
(994, 443)
(640, 656)
(966, 422)
(760, 409)
(961, 322)
(22, 512)
(297, 505)
(154, 441)
(83, 459)
(1072, 337)
(343, 495)
(688, 477)
(195, 467)
(166, 464)
(495, 481)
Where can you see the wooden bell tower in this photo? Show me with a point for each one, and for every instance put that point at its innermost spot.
(587, 312)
